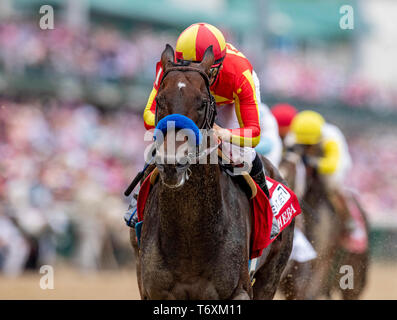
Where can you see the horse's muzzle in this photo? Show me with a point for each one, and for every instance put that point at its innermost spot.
(174, 175)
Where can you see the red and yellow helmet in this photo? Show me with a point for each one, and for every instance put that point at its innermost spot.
(194, 40)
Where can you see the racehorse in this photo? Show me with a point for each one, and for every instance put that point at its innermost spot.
(322, 226)
(195, 238)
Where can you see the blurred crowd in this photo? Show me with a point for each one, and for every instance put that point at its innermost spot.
(374, 174)
(100, 52)
(63, 171)
(64, 168)
(106, 53)
(292, 74)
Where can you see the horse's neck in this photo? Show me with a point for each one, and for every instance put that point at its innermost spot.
(315, 187)
(195, 208)
(318, 205)
(202, 188)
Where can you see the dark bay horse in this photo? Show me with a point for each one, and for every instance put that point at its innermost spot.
(196, 233)
(322, 226)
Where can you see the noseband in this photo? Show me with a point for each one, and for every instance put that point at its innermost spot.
(210, 106)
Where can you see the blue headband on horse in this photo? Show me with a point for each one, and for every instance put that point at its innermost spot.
(181, 122)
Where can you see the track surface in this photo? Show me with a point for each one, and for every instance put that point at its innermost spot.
(69, 284)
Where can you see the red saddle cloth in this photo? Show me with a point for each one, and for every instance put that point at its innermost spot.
(285, 207)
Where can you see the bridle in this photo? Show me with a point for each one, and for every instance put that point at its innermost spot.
(210, 109)
(208, 122)
(210, 105)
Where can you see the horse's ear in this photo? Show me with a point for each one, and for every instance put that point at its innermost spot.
(167, 57)
(208, 60)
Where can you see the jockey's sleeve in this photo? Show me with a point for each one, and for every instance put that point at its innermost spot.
(150, 109)
(247, 112)
(329, 163)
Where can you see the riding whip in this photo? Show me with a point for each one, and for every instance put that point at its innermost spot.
(138, 177)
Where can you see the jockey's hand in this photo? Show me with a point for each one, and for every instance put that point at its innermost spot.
(222, 134)
(310, 161)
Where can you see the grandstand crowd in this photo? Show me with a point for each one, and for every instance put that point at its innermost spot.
(65, 166)
(106, 53)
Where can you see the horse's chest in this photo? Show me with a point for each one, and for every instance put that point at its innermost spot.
(170, 281)
(173, 286)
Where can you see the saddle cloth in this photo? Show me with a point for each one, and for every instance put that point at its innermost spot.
(285, 207)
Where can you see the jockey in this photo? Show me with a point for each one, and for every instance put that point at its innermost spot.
(325, 149)
(232, 81)
(302, 249)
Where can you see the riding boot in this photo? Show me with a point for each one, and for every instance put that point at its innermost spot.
(260, 179)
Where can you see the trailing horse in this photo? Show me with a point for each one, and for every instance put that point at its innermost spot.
(195, 239)
(322, 226)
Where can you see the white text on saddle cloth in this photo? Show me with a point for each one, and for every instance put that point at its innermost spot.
(283, 201)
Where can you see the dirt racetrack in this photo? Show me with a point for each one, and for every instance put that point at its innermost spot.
(69, 284)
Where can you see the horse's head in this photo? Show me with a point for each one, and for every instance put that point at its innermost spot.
(184, 89)
(300, 175)
(310, 151)
(287, 168)
(294, 171)
(183, 93)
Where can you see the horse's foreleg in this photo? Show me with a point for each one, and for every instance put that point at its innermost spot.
(134, 244)
(268, 276)
(295, 279)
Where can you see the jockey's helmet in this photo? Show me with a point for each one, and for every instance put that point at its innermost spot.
(284, 114)
(194, 40)
(307, 127)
